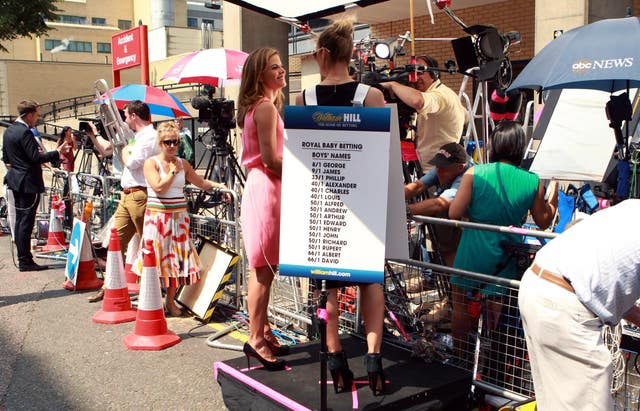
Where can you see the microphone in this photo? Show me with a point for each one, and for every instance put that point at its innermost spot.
(200, 103)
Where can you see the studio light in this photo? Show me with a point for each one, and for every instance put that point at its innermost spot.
(385, 49)
(486, 49)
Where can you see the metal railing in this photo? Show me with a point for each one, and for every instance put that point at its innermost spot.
(68, 108)
(475, 326)
(82, 106)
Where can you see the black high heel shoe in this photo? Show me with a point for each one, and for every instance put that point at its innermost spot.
(275, 365)
(377, 382)
(340, 373)
(277, 349)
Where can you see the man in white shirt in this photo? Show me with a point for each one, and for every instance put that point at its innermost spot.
(129, 216)
(583, 279)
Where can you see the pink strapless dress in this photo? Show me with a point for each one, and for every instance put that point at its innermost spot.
(260, 208)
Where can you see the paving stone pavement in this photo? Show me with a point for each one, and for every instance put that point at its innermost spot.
(53, 357)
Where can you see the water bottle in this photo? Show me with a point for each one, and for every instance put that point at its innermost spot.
(88, 209)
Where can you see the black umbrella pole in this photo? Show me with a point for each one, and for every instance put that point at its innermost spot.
(322, 322)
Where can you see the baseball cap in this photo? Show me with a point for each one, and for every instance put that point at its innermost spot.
(448, 154)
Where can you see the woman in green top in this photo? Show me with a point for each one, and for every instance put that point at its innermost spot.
(497, 193)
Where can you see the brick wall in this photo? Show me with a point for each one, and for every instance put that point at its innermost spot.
(513, 15)
(295, 64)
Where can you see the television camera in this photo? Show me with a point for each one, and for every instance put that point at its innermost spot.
(486, 50)
(222, 164)
(483, 54)
(219, 114)
(82, 140)
(84, 127)
(405, 112)
(368, 51)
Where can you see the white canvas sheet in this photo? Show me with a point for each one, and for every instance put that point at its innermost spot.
(578, 142)
(294, 9)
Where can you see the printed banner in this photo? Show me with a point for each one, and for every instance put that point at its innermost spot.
(335, 192)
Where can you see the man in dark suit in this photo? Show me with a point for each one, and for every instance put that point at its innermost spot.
(21, 155)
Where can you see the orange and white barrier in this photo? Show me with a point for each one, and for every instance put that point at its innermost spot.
(116, 305)
(150, 331)
(86, 275)
(55, 238)
(132, 252)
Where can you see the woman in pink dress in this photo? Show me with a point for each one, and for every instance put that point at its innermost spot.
(67, 160)
(67, 156)
(259, 102)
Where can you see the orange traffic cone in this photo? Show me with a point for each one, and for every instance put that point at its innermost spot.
(132, 252)
(116, 305)
(55, 238)
(86, 275)
(150, 331)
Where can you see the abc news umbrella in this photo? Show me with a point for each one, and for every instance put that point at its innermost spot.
(600, 56)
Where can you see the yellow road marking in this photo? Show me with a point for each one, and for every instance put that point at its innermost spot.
(234, 334)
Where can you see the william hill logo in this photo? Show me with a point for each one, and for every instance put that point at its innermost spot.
(583, 66)
(334, 119)
(351, 117)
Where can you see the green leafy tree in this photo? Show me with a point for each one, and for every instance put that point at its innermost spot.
(25, 18)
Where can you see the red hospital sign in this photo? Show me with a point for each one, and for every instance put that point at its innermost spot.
(125, 49)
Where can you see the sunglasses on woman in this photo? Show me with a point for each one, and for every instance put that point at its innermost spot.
(171, 143)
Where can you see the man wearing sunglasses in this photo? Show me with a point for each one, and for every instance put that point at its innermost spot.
(441, 116)
(129, 216)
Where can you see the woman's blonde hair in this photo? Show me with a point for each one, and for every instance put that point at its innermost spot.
(166, 128)
(251, 87)
(338, 40)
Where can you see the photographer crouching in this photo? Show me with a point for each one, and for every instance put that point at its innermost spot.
(440, 115)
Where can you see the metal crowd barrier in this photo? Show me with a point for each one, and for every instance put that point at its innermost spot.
(58, 180)
(628, 397)
(494, 351)
(112, 192)
(80, 188)
(43, 214)
(222, 226)
(87, 187)
(492, 346)
(294, 301)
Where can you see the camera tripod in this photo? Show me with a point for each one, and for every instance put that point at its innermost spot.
(86, 161)
(222, 166)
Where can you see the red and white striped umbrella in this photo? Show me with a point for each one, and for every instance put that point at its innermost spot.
(218, 67)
